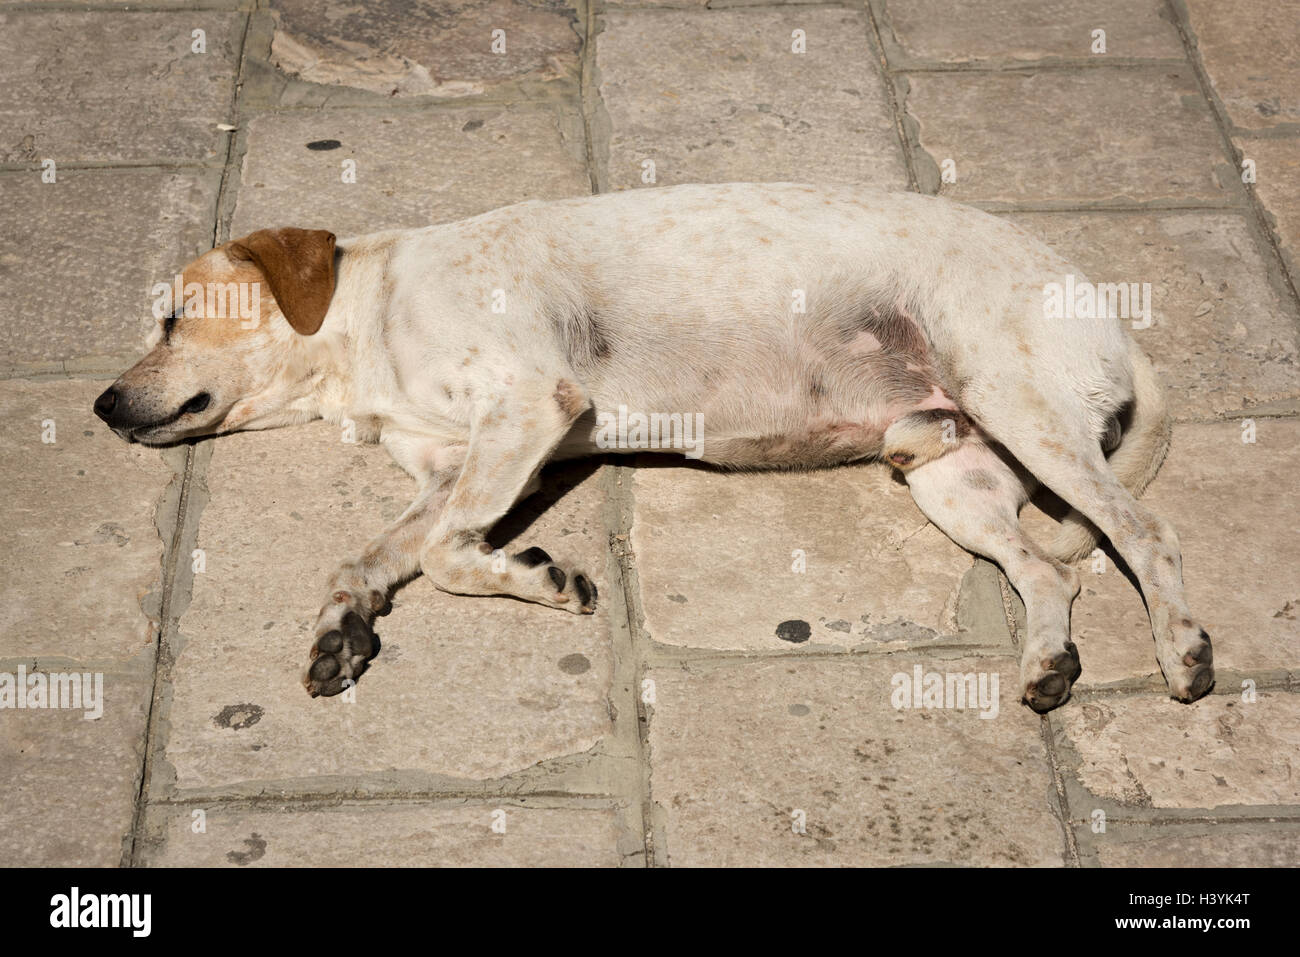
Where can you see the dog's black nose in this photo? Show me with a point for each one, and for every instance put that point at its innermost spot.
(106, 403)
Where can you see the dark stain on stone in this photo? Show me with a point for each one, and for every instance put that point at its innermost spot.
(256, 845)
(799, 710)
(319, 145)
(238, 716)
(681, 600)
(575, 664)
(795, 630)
(471, 126)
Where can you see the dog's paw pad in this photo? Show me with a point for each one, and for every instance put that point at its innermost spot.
(339, 656)
(561, 587)
(1194, 676)
(1052, 686)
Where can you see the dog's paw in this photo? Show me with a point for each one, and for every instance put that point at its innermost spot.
(1191, 674)
(570, 590)
(1050, 682)
(344, 644)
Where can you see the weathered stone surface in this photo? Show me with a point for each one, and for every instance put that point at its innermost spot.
(79, 256)
(67, 795)
(718, 96)
(431, 47)
(1028, 29)
(1249, 53)
(412, 169)
(1152, 751)
(115, 86)
(399, 835)
(1225, 844)
(1234, 507)
(1277, 171)
(1092, 136)
(1222, 336)
(467, 687)
(716, 555)
(736, 750)
(79, 549)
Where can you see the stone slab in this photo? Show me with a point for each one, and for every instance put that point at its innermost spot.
(68, 792)
(433, 49)
(1000, 30)
(717, 556)
(737, 749)
(1217, 844)
(1223, 336)
(1149, 751)
(1277, 175)
(718, 96)
(412, 169)
(1248, 51)
(79, 548)
(79, 256)
(1093, 136)
(394, 835)
(116, 86)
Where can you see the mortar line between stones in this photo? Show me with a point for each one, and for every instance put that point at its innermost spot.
(622, 499)
(877, 46)
(585, 65)
(1222, 123)
(1062, 799)
(160, 671)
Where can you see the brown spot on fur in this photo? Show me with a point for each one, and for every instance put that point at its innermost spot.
(570, 398)
(980, 479)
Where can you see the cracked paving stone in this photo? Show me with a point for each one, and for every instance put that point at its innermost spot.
(425, 47)
(1146, 750)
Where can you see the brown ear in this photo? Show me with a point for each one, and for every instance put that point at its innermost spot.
(299, 267)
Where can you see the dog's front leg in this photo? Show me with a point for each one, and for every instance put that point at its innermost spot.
(511, 439)
(344, 641)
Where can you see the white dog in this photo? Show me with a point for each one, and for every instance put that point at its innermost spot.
(807, 327)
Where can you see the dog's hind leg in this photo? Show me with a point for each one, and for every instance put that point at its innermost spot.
(974, 498)
(1058, 449)
(344, 641)
(510, 440)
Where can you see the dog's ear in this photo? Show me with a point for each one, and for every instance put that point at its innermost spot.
(299, 267)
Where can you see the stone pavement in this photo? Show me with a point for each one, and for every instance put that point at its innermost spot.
(731, 701)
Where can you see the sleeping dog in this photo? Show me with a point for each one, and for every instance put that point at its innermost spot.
(804, 327)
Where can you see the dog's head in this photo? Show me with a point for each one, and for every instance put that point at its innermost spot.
(222, 356)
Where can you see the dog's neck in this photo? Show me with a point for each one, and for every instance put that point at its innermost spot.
(330, 357)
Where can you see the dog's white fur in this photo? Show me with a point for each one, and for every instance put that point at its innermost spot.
(476, 351)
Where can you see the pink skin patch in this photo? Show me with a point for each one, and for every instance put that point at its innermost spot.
(935, 400)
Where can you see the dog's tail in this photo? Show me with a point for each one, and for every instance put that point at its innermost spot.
(1135, 461)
